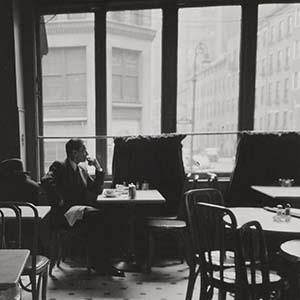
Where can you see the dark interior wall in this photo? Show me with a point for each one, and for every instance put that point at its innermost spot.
(9, 120)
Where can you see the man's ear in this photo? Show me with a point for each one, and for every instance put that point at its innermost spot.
(74, 153)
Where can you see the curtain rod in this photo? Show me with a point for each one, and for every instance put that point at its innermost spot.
(99, 137)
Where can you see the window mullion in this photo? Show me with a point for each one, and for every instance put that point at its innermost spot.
(247, 66)
(100, 81)
(169, 69)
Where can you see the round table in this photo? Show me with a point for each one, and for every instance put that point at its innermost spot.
(292, 250)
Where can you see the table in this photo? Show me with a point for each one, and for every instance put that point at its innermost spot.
(288, 194)
(12, 262)
(265, 218)
(142, 197)
(26, 212)
(291, 251)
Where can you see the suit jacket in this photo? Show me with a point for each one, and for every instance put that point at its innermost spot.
(61, 183)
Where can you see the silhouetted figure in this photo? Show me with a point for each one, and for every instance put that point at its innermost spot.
(16, 184)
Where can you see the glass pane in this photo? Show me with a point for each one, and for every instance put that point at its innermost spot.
(133, 73)
(208, 77)
(277, 104)
(68, 97)
(210, 159)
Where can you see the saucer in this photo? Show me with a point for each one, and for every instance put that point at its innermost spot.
(110, 195)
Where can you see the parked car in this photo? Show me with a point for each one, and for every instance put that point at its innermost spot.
(212, 154)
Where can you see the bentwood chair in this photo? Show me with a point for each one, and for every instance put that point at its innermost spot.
(250, 277)
(175, 226)
(36, 267)
(260, 281)
(171, 225)
(192, 197)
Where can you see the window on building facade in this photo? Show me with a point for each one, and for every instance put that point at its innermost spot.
(279, 60)
(268, 16)
(297, 16)
(289, 25)
(280, 30)
(296, 79)
(287, 56)
(286, 90)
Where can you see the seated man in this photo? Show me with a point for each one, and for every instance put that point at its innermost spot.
(68, 184)
(16, 184)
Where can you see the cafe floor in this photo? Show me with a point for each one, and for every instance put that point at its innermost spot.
(167, 281)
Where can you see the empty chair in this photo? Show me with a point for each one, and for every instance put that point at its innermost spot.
(175, 225)
(192, 197)
(248, 278)
(171, 225)
(37, 265)
(258, 281)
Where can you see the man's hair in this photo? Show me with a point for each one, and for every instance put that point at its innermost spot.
(73, 144)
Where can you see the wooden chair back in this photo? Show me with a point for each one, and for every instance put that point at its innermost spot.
(215, 231)
(16, 227)
(192, 197)
(253, 263)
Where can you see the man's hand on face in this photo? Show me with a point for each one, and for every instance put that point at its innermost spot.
(94, 162)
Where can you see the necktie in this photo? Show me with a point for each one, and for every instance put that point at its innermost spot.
(78, 178)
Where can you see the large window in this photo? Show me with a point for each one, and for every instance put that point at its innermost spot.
(68, 82)
(218, 90)
(208, 85)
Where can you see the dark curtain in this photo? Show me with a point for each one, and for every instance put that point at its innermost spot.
(155, 159)
(261, 159)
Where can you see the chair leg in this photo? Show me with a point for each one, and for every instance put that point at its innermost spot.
(182, 245)
(150, 248)
(206, 291)
(88, 260)
(45, 285)
(191, 282)
(221, 295)
(34, 290)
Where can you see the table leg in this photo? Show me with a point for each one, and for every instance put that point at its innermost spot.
(129, 264)
(294, 281)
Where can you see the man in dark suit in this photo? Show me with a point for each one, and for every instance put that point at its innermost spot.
(68, 184)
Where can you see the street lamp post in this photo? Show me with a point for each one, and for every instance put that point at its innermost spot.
(199, 49)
